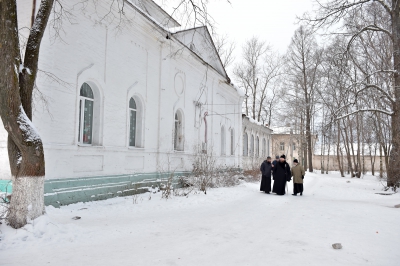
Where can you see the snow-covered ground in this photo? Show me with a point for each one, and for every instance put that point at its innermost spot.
(228, 226)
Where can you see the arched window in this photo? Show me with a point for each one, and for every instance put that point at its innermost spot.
(132, 122)
(245, 144)
(86, 106)
(223, 141)
(252, 146)
(178, 132)
(232, 142)
(264, 148)
(258, 146)
(135, 122)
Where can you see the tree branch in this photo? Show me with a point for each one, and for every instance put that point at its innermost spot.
(369, 28)
(369, 86)
(365, 110)
(385, 6)
(29, 69)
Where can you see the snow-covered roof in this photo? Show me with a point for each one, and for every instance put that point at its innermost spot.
(281, 130)
(255, 123)
(154, 11)
(240, 91)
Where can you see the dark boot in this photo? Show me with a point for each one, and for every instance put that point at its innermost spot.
(301, 193)
(294, 194)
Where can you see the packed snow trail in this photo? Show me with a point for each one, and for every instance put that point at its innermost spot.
(228, 226)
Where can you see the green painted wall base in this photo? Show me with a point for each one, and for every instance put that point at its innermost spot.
(6, 186)
(58, 192)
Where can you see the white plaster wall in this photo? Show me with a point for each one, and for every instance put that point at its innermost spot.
(253, 161)
(135, 61)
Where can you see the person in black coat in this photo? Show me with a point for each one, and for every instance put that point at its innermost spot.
(274, 163)
(276, 160)
(266, 173)
(282, 175)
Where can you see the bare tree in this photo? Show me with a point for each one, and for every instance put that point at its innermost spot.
(17, 79)
(380, 18)
(225, 49)
(257, 74)
(304, 62)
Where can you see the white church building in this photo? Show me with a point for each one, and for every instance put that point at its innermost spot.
(120, 102)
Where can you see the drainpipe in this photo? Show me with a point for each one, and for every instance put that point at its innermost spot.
(205, 124)
(159, 106)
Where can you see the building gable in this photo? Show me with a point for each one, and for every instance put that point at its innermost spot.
(200, 42)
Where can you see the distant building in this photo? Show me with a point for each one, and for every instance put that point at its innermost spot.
(256, 143)
(287, 141)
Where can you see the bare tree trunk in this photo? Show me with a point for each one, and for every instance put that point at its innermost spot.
(358, 145)
(304, 145)
(329, 149)
(351, 151)
(380, 162)
(394, 165)
(372, 158)
(25, 148)
(322, 156)
(363, 168)
(338, 150)
(309, 141)
(347, 148)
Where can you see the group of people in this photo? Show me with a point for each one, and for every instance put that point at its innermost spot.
(281, 173)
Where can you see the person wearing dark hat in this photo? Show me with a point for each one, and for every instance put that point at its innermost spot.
(266, 173)
(298, 174)
(282, 175)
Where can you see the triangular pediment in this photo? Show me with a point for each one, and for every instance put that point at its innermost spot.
(200, 42)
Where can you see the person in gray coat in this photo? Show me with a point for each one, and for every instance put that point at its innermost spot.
(266, 172)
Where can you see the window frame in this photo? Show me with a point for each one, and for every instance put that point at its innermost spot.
(81, 120)
(264, 147)
(282, 146)
(257, 148)
(223, 141)
(232, 142)
(135, 110)
(252, 146)
(178, 129)
(245, 144)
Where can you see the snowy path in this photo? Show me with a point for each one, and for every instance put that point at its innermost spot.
(228, 226)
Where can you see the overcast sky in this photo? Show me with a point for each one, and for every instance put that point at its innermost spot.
(272, 21)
